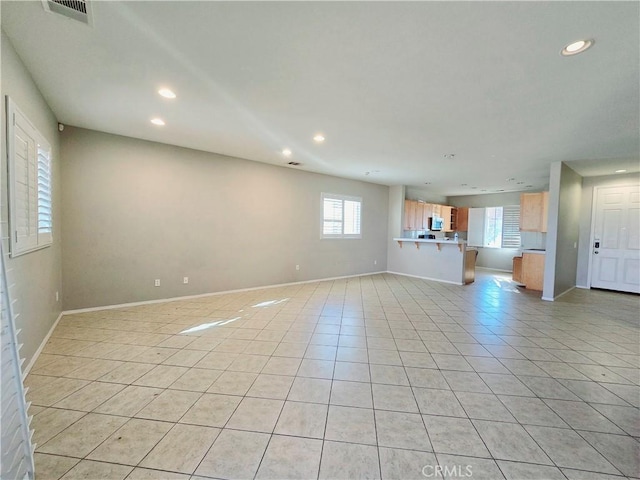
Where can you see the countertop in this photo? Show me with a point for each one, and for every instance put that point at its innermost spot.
(443, 241)
(539, 252)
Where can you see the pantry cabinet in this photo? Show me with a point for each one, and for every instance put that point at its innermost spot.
(534, 208)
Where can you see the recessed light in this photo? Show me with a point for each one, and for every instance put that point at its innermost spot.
(166, 93)
(449, 156)
(157, 121)
(286, 152)
(576, 47)
(620, 171)
(295, 164)
(318, 138)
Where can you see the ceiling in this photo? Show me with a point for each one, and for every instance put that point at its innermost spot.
(395, 87)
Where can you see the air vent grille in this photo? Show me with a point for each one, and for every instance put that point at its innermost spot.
(75, 9)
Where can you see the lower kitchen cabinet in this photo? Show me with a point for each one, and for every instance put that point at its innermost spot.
(533, 270)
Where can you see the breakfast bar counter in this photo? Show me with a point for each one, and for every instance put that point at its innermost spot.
(442, 260)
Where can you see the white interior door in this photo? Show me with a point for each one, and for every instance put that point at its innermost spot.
(615, 259)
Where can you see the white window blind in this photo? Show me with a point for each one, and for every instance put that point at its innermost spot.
(341, 216)
(30, 193)
(511, 226)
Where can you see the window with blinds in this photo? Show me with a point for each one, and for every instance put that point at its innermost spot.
(341, 216)
(30, 192)
(494, 227)
(511, 226)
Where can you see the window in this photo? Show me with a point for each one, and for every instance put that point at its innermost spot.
(494, 227)
(30, 209)
(341, 216)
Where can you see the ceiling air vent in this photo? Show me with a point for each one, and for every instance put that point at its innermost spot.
(75, 9)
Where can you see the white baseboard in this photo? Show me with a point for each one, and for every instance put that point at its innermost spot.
(41, 347)
(558, 296)
(584, 287)
(201, 295)
(494, 269)
(426, 278)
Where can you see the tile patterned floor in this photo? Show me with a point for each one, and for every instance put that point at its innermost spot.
(379, 376)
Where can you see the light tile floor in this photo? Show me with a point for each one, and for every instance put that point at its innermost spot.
(378, 376)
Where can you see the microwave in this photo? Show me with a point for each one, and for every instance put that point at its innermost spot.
(436, 223)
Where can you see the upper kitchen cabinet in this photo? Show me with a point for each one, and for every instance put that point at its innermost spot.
(462, 219)
(421, 216)
(410, 214)
(534, 208)
(448, 216)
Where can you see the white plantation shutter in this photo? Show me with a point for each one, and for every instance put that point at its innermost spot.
(511, 226)
(332, 216)
(30, 209)
(16, 461)
(45, 218)
(341, 216)
(352, 217)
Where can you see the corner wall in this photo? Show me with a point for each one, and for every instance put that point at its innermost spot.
(136, 211)
(561, 261)
(35, 277)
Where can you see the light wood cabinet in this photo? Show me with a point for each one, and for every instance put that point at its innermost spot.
(517, 269)
(446, 214)
(462, 219)
(533, 270)
(417, 214)
(419, 217)
(534, 209)
(409, 214)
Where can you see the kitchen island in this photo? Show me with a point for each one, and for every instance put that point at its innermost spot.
(448, 261)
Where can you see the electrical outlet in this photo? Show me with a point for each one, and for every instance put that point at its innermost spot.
(185, 280)
(57, 297)
(375, 262)
(297, 267)
(157, 282)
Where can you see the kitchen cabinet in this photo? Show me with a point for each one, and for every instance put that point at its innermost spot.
(534, 209)
(532, 273)
(462, 219)
(410, 214)
(446, 213)
(420, 218)
(517, 269)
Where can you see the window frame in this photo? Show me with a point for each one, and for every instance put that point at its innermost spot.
(323, 218)
(40, 159)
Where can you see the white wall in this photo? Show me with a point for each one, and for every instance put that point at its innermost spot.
(586, 212)
(135, 211)
(35, 277)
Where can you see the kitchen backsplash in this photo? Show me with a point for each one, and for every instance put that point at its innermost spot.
(533, 240)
